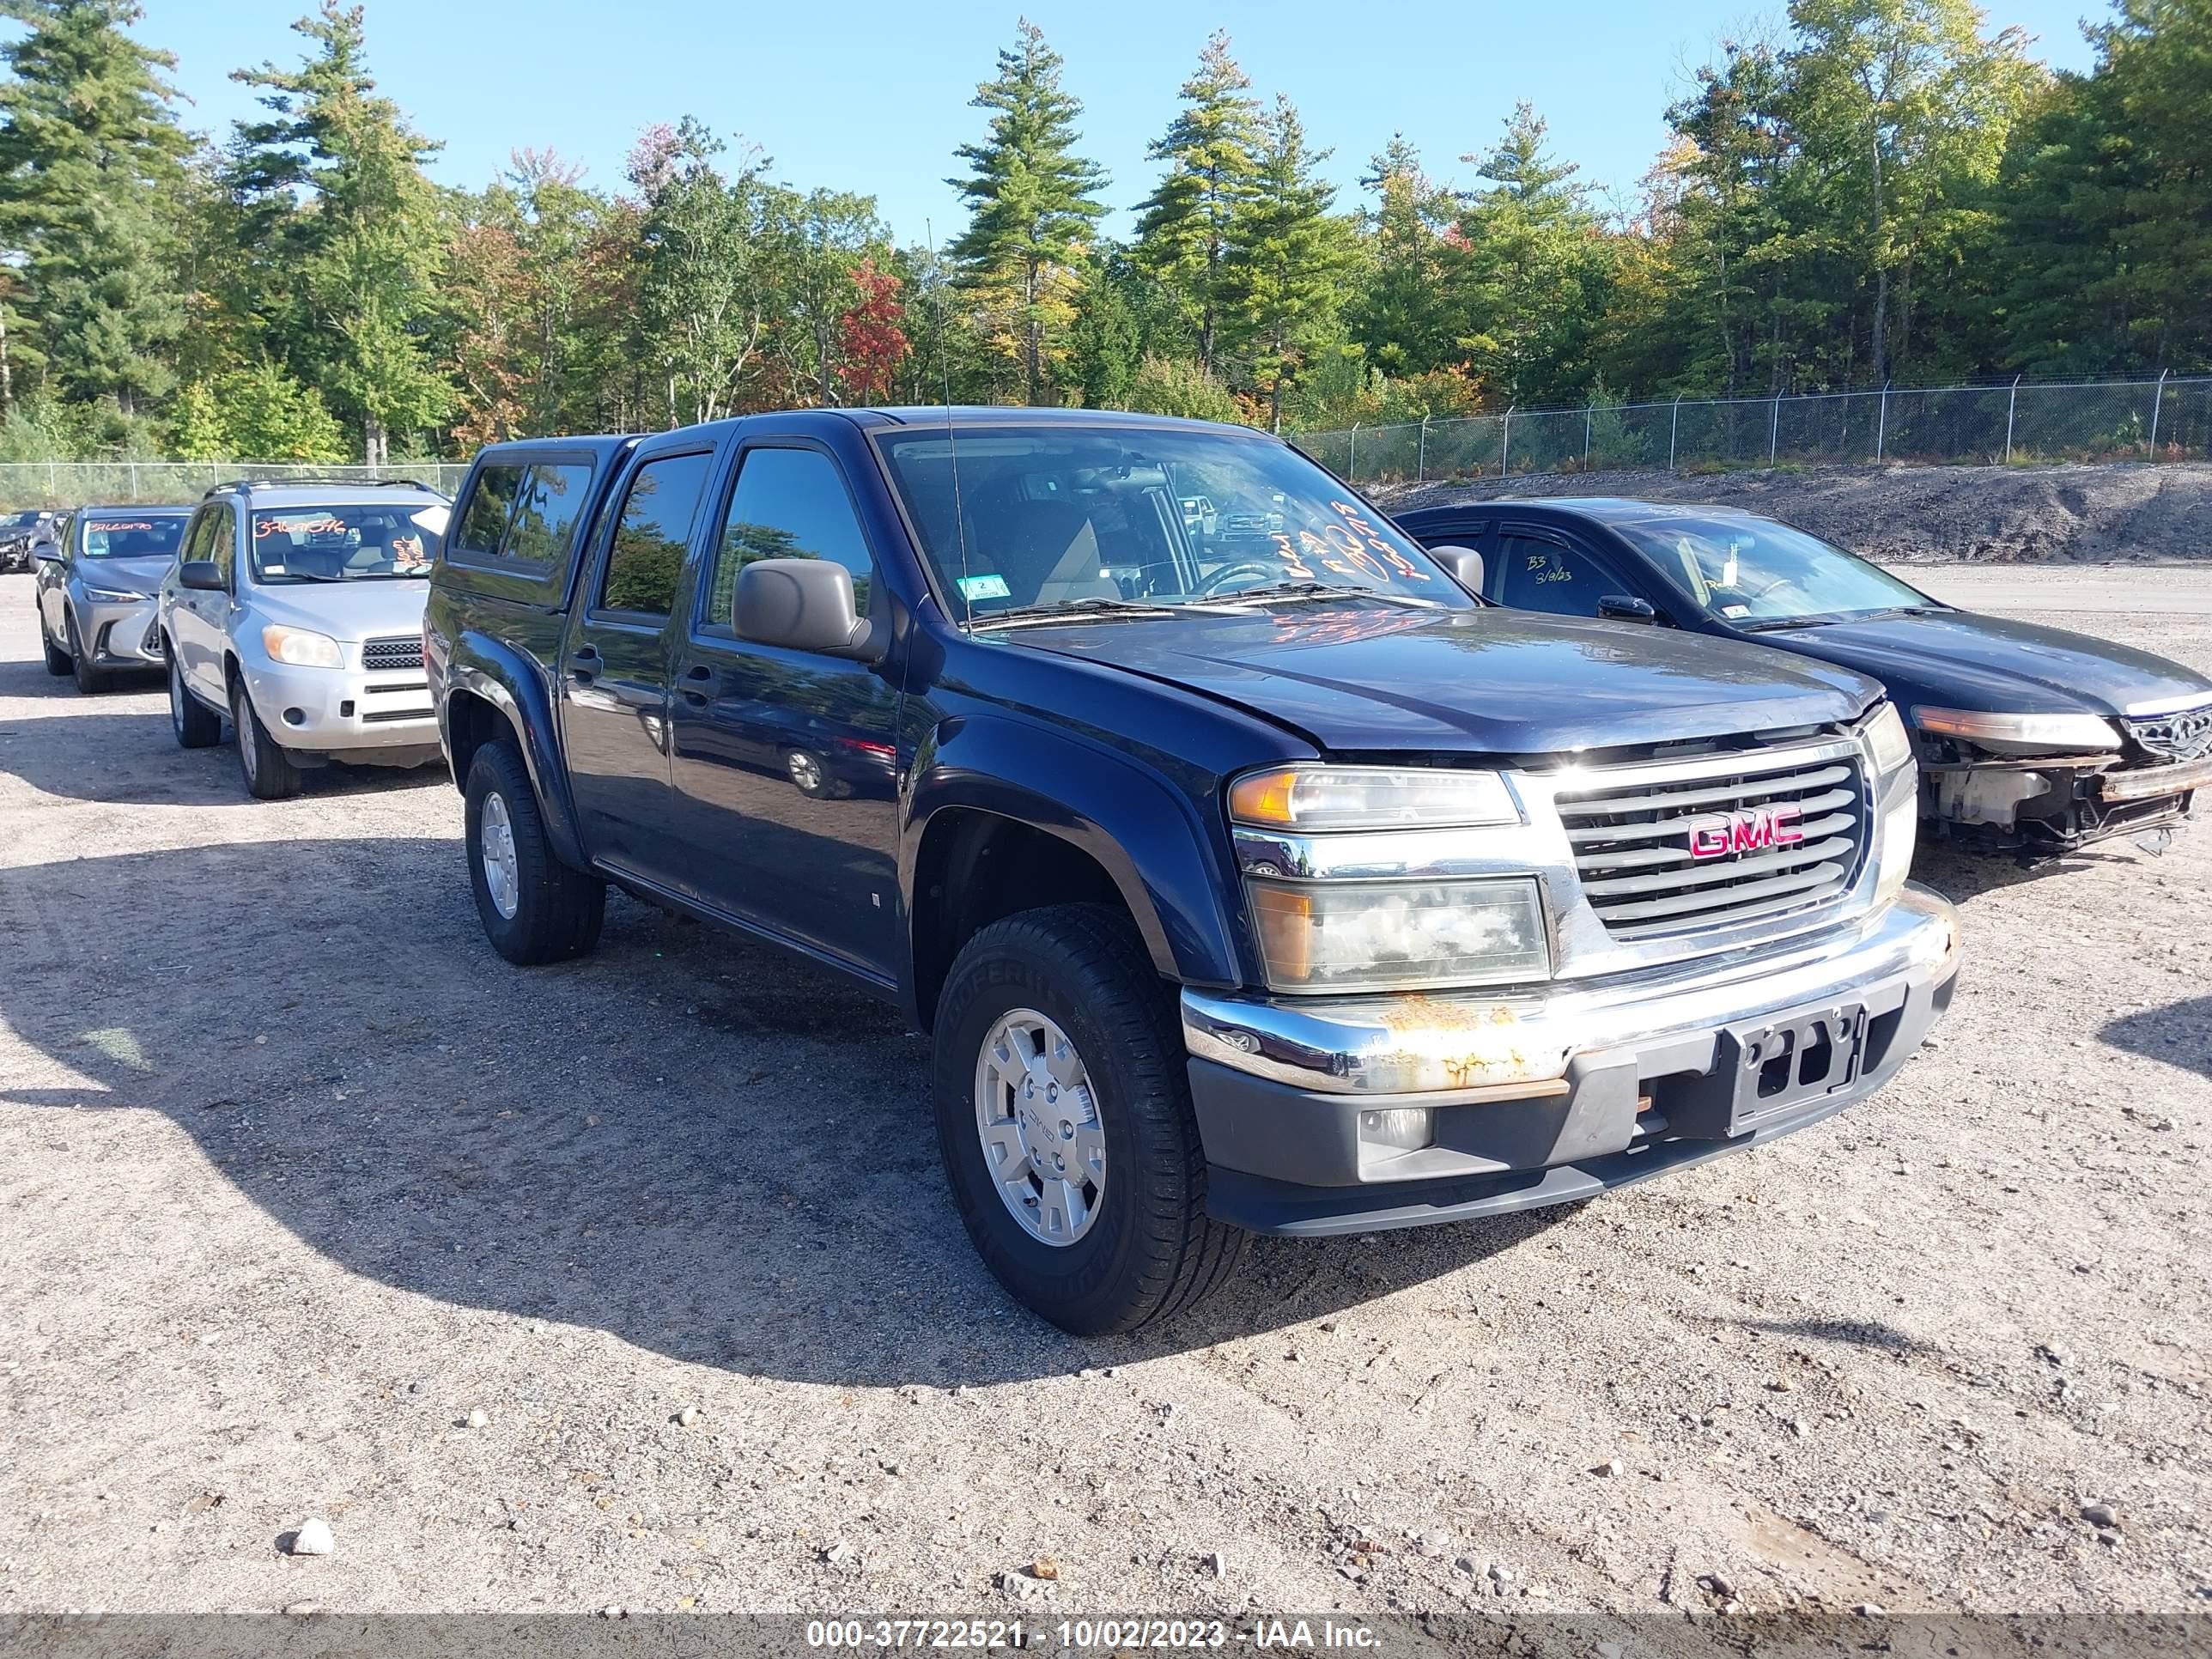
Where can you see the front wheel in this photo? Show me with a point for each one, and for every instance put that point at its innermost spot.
(197, 726)
(535, 909)
(90, 681)
(269, 772)
(59, 663)
(1064, 1117)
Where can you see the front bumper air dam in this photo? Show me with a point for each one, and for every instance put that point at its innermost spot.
(1539, 1101)
(116, 632)
(349, 712)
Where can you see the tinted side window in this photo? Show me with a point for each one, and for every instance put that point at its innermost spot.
(788, 504)
(646, 556)
(199, 536)
(545, 516)
(491, 504)
(224, 539)
(1537, 574)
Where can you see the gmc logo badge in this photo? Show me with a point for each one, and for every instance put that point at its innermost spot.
(1746, 832)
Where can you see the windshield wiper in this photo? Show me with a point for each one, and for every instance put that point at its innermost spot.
(1829, 619)
(1296, 590)
(1089, 610)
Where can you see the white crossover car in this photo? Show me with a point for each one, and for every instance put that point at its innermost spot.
(295, 608)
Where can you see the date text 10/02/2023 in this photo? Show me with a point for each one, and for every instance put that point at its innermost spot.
(1091, 1635)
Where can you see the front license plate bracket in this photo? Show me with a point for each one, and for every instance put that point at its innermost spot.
(1762, 1070)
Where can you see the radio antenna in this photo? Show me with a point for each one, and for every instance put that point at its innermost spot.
(951, 443)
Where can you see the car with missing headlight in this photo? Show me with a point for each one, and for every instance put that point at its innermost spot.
(1247, 873)
(294, 607)
(96, 581)
(2033, 741)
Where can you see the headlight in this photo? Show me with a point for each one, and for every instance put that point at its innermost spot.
(1398, 935)
(113, 595)
(1319, 798)
(301, 649)
(1888, 744)
(2031, 733)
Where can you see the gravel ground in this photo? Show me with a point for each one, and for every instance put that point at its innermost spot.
(297, 1179)
(1981, 514)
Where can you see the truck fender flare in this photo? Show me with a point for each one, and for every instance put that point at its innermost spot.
(506, 679)
(1148, 836)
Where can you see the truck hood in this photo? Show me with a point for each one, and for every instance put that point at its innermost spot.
(351, 611)
(1957, 658)
(1489, 681)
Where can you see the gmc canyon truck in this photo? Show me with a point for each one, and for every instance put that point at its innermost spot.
(1249, 873)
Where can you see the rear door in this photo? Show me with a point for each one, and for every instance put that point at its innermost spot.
(786, 763)
(614, 671)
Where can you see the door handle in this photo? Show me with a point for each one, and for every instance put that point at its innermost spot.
(698, 677)
(583, 663)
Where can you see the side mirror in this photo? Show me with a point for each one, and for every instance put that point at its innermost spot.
(1464, 564)
(804, 605)
(46, 552)
(1620, 607)
(202, 573)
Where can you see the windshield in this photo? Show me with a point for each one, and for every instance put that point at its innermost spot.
(1060, 516)
(132, 536)
(372, 542)
(1753, 570)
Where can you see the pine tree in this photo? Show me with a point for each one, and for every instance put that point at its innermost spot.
(1108, 339)
(1286, 259)
(1396, 311)
(1032, 210)
(90, 162)
(1528, 273)
(365, 246)
(1211, 151)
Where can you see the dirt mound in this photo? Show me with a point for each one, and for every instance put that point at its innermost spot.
(1978, 514)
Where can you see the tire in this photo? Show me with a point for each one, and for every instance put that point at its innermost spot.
(1148, 1250)
(269, 772)
(196, 725)
(807, 773)
(90, 681)
(557, 909)
(59, 663)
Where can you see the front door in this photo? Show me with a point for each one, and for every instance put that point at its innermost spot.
(786, 763)
(197, 619)
(1540, 568)
(614, 676)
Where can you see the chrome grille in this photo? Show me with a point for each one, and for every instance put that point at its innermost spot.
(393, 651)
(2184, 736)
(1632, 839)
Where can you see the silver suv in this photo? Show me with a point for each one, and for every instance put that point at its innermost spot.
(296, 609)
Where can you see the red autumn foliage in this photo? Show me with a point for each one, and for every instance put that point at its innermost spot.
(870, 338)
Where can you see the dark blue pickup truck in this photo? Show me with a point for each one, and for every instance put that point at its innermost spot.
(1249, 873)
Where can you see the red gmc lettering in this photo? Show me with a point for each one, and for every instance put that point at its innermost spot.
(1753, 829)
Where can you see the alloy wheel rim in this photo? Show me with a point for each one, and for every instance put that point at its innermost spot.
(176, 699)
(495, 847)
(1037, 1118)
(805, 772)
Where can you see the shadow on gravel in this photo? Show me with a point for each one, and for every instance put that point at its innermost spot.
(687, 1141)
(1859, 1333)
(1961, 876)
(132, 759)
(2180, 1034)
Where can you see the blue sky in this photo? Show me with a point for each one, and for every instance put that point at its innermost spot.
(860, 95)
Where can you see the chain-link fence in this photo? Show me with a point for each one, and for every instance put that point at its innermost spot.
(25, 484)
(2168, 419)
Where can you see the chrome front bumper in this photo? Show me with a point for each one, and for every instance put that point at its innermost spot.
(1352, 1114)
(1396, 1045)
(340, 711)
